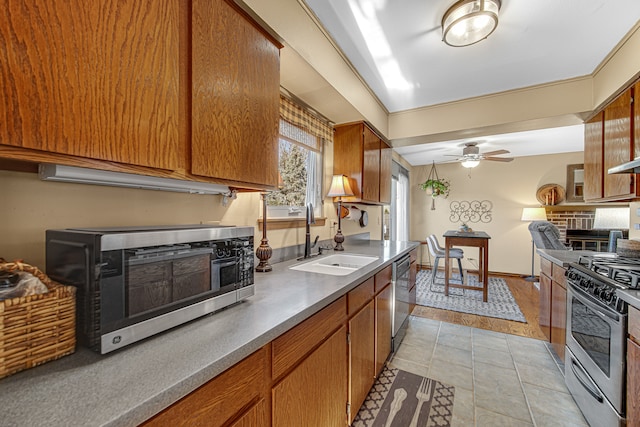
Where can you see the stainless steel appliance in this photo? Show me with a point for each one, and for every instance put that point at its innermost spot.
(595, 368)
(401, 271)
(135, 282)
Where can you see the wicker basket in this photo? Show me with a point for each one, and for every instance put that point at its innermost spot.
(628, 248)
(35, 329)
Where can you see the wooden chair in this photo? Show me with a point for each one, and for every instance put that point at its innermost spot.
(438, 252)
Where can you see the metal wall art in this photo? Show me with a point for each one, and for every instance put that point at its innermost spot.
(470, 211)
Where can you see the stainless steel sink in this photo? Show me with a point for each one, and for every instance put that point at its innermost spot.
(336, 265)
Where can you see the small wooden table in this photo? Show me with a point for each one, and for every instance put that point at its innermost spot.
(478, 239)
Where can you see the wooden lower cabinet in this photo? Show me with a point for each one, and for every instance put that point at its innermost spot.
(361, 357)
(633, 368)
(558, 318)
(241, 403)
(553, 304)
(253, 417)
(313, 394)
(633, 383)
(383, 320)
(544, 318)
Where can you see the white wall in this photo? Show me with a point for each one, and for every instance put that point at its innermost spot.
(508, 186)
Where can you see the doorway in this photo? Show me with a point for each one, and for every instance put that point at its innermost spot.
(396, 215)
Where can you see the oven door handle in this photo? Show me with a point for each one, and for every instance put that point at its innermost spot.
(600, 309)
(584, 383)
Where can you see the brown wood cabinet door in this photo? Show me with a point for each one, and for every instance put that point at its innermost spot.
(315, 392)
(383, 327)
(558, 318)
(371, 167)
(633, 383)
(254, 417)
(348, 154)
(593, 149)
(544, 320)
(91, 79)
(618, 147)
(636, 121)
(361, 357)
(224, 398)
(235, 97)
(386, 157)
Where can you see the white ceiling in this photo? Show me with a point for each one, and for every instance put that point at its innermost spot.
(397, 49)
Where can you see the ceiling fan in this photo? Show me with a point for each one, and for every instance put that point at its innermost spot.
(471, 155)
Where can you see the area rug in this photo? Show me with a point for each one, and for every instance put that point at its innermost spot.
(402, 399)
(500, 301)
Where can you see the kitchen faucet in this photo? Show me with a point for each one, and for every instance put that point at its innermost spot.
(307, 241)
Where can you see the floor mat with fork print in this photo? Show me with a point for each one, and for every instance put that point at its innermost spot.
(400, 398)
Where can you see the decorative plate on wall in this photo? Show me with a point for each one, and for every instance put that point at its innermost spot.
(550, 194)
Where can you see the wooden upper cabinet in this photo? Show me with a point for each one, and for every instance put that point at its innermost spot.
(235, 96)
(386, 157)
(92, 79)
(618, 146)
(593, 152)
(360, 154)
(371, 166)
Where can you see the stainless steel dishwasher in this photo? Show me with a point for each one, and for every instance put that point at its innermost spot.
(400, 280)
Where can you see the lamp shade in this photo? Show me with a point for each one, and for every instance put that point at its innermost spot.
(340, 187)
(534, 214)
(469, 21)
(611, 218)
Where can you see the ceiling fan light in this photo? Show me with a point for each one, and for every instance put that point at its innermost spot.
(469, 21)
(470, 163)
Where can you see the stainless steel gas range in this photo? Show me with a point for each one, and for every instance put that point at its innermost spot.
(595, 367)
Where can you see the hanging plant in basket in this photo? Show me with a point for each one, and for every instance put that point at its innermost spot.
(435, 186)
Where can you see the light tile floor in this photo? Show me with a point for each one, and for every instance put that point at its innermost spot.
(499, 379)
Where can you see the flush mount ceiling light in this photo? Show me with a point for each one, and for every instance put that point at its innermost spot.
(469, 21)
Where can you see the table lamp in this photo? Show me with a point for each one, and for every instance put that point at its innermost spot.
(614, 220)
(339, 187)
(533, 214)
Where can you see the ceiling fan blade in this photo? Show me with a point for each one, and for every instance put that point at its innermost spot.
(495, 153)
(499, 159)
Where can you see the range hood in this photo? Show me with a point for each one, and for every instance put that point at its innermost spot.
(50, 172)
(630, 167)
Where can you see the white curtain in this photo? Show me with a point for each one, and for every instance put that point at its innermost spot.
(313, 181)
(402, 208)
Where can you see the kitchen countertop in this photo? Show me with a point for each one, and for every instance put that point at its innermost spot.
(128, 386)
(561, 257)
(631, 296)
